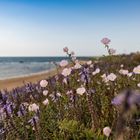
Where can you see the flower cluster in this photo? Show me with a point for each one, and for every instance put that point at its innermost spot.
(82, 101)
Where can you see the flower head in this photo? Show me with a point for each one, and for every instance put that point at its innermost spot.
(72, 53)
(46, 102)
(81, 90)
(96, 71)
(77, 66)
(123, 72)
(136, 70)
(138, 84)
(105, 41)
(112, 51)
(66, 72)
(45, 92)
(33, 107)
(107, 131)
(43, 83)
(66, 49)
(111, 77)
(63, 63)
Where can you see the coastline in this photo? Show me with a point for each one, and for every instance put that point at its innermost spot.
(19, 81)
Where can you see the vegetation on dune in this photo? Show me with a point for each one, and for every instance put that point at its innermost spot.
(95, 101)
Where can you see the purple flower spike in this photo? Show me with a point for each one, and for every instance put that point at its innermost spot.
(130, 97)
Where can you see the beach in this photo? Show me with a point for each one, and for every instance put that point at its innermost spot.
(19, 81)
(11, 83)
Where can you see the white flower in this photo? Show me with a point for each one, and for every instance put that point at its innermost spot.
(130, 74)
(45, 92)
(43, 83)
(111, 77)
(136, 70)
(33, 107)
(66, 72)
(77, 66)
(89, 62)
(68, 92)
(105, 79)
(46, 102)
(107, 131)
(65, 81)
(103, 76)
(96, 71)
(91, 66)
(138, 84)
(81, 90)
(63, 63)
(121, 65)
(123, 72)
(58, 94)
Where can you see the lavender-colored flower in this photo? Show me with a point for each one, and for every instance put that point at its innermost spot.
(34, 120)
(129, 96)
(111, 51)
(66, 49)
(105, 41)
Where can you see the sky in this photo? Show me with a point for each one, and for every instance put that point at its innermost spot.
(45, 27)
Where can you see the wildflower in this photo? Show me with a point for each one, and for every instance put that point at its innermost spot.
(81, 90)
(105, 79)
(111, 77)
(129, 96)
(89, 62)
(77, 66)
(118, 99)
(45, 92)
(34, 120)
(91, 66)
(112, 51)
(107, 131)
(136, 70)
(123, 72)
(138, 84)
(58, 94)
(63, 63)
(69, 92)
(72, 53)
(121, 65)
(65, 81)
(33, 107)
(46, 102)
(66, 49)
(66, 72)
(130, 74)
(96, 71)
(105, 41)
(43, 83)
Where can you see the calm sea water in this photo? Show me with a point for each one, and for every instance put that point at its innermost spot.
(19, 66)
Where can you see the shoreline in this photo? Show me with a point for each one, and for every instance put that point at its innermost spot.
(19, 81)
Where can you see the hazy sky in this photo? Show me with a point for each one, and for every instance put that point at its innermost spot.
(44, 27)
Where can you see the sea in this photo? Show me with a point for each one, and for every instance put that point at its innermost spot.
(11, 67)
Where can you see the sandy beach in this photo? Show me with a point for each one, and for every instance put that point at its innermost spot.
(11, 83)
